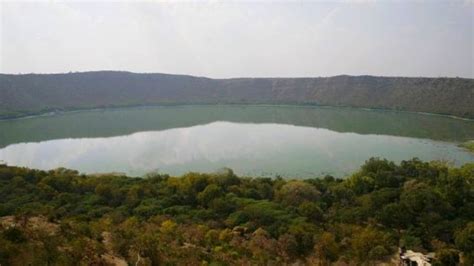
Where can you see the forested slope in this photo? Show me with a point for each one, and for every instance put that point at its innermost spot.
(35, 93)
(61, 217)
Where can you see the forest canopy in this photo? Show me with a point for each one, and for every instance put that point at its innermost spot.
(62, 217)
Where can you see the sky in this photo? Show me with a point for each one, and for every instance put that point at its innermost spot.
(241, 39)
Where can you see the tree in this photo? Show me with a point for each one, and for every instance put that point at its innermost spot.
(287, 246)
(369, 240)
(447, 257)
(395, 216)
(326, 248)
(361, 184)
(210, 193)
(304, 234)
(263, 247)
(312, 211)
(465, 242)
(296, 192)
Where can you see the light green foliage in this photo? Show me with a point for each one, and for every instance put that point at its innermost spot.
(296, 192)
(210, 193)
(468, 145)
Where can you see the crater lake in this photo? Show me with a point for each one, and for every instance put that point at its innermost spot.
(253, 140)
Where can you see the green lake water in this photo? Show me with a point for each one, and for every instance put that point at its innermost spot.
(290, 141)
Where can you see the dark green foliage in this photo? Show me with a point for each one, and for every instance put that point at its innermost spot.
(465, 242)
(14, 235)
(447, 257)
(223, 219)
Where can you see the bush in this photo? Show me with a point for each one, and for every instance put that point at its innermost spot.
(447, 257)
(14, 235)
(378, 253)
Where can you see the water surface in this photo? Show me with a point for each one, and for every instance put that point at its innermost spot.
(252, 140)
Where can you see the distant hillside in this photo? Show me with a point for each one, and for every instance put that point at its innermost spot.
(35, 93)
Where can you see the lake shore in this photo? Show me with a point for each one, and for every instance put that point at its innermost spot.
(468, 145)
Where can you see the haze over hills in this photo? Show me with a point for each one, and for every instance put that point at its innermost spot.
(27, 94)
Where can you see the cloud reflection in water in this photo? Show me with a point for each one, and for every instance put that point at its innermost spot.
(253, 149)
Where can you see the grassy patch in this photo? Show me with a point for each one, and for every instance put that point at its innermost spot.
(468, 145)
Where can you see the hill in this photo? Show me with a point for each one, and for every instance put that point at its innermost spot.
(27, 94)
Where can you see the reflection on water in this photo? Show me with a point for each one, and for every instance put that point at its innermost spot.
(249, 149)
(130, 120)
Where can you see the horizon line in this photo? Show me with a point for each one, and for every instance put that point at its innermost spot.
(242, 77)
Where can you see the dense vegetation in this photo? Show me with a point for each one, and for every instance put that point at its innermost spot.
(62, 217)
(35, 93)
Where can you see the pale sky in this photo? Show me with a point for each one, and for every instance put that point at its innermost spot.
(241, 39)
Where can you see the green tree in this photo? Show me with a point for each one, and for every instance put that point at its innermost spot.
(312, 211)
(465, 242)
(369, 242)
(296, 192)
(326, 248)
(210, 193)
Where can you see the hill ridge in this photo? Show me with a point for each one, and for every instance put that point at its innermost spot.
(26, 94)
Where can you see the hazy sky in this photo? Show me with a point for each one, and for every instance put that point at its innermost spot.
(235, 39)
